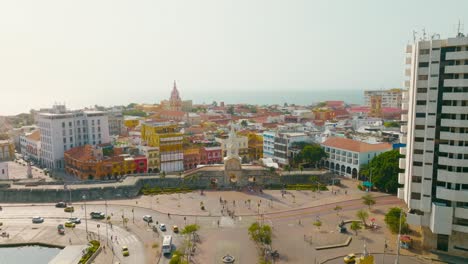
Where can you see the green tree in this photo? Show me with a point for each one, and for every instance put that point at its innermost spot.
(134, 112)
(318, 224)
(391, 124)
(178, 258)
(337, 209)
(244, 123)
(385, 171)
(131, 105)
(260, 233)
(355, 226)
(392, 219)
(368, 200)
(362, 215)
(311, 154)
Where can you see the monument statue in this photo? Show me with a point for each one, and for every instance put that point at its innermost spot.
(232, 160)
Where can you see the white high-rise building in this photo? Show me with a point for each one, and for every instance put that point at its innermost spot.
(436, 156)
(390, 97)
(62, 130)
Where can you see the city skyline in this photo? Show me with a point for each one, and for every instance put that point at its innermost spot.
(124, 53)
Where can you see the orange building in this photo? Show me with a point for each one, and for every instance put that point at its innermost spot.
(88, 163)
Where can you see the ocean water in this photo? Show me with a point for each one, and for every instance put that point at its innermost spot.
(275, 97)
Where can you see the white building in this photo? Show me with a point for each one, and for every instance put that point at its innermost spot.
(436, 157)
(116, 122)
(390, 98)
(346, 156)
(283, 143)
(30, 144)
(269, 144)
(63, 130)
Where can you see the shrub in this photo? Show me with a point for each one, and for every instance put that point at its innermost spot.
(90, 251)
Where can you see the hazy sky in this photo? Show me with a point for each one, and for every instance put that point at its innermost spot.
(90, 52)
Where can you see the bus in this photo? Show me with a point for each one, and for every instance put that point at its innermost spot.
(167, 244)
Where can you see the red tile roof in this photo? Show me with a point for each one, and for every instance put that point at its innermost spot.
(36, 135)
(354, 145)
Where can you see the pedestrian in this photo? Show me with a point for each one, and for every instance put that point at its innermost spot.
(346, 192)
(69, 240)
(218, 223)
(304, 237)
(168, 215)
(112, 237)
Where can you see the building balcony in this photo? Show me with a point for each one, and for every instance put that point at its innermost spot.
(451, 195)
(454, 109)
(403, 151)
(460, 228)
(457, 55)
(455, 96)
(453, 162)
(404, 106)
(461, 212)
(451, 176)
(407, 72)
(454, 123)
(403, 139)
(408, 60)
(404, 117)
(453, 149)
(409, 49)
(441, 218)
(456, 83)
(456, 69)
(414, 219)
(401, 178)
(404, 129)
(422, 84)
(402, 163)
(401, 193)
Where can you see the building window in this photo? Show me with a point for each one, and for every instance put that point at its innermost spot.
(423, 77)
(415, 196)
(63, 124)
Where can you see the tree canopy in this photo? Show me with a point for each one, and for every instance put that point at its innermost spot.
(392, 219)
(311, 154)
(385, 171)
(391, 124)
(189, 229)
(260, 233)
(134, 112)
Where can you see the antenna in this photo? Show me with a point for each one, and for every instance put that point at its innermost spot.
(424, 34)
(415, 34)
(460, 29)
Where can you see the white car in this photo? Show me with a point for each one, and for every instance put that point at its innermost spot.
(148, 218)
(75, 220)
(37, 220)
(162, 227)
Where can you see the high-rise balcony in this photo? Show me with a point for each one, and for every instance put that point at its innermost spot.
(406, 84)
(401, 178)
(404, 106)
(452, 177)
(454, 123)
(452, 149)
(456, 69)
(455, 96)
(460, 228)
(456, 83)
(409, 48)
(454, 109)
(453, 162)
(404, 117)
(405, 95)
(407, 72)
(403, 139)
(401, 193)
(461, 212)
(457, 55)
(441, 218)
(403, 151)
(451, 195)
(414, 217)
(402, 163)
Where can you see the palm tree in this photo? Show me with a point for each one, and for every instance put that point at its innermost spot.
(362, 215)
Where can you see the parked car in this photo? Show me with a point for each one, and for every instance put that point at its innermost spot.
(350, 258)
(175, 229)
(37, 220)
(162, 227)
(75, 220)
(60, 205)
(97, 215)
(69, 209)
(70, 224)
(125, 251)
(60, 229)
(148, 218)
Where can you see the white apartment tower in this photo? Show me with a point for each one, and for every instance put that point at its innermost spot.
(390, 97)
(62, 130)
(436, 156)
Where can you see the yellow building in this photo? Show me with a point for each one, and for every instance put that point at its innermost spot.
(167, 138)
(7, 150)
(254, 143)
(131, 122)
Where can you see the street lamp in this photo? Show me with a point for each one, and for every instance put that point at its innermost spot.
(397, 260)
(107, 223)
(86, 219)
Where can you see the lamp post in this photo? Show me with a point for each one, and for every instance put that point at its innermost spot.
(107, 223)
(86, 219)
(397, 260)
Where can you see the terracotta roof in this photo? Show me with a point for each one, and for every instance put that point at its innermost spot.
(354, 145)
(36, 135)
(172, 113)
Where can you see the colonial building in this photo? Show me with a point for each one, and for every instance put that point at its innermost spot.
(242, 143)
(175, 103)
(90, 163)
(346, 156)
(7, 150)
(31, 145)
(165, 136)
